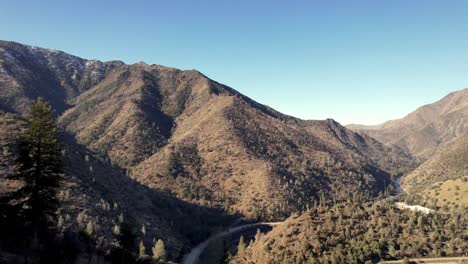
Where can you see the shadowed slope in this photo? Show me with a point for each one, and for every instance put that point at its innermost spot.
(97, 192)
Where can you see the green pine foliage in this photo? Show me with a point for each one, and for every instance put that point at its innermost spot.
(40, 168)
(241, 247)
(159, 251)
(29, 223)
(142, 250)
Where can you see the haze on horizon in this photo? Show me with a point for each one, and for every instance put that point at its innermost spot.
(357, 62)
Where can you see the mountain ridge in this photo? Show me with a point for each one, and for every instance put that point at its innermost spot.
(442, 179)
(140, 115)
(422, 131)
(202, 144)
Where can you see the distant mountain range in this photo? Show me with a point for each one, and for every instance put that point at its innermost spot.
(424, 130)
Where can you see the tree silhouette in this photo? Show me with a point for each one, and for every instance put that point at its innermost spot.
(226, 258)
(127, 237)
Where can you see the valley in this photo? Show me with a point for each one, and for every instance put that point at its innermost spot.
(177, 158)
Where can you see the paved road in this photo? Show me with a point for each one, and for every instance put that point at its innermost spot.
(192, 257)
(397, 184)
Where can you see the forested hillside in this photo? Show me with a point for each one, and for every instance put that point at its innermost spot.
(183, 134)
(360, 232)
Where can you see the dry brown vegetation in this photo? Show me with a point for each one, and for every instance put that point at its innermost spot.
(176, 151)
(426, 129)
(9, 126)
(356, 232)
(448, 193)
(157, 144)
(184, 134)
(245, 157)
(96, 192)
(442, 178)
(447, 163)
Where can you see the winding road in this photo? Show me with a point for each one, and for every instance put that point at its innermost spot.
(192, 257)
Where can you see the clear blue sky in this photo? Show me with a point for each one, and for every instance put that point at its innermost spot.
(354, 61)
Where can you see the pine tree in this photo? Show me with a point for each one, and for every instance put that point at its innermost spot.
(80, 218)
(126, 237)
(60, 222)
(174, 168)
(392, 251)
(142, 252)
(116, 230)
(406, 260)
(258, 235)
(226, 258)
(40, 168)
(421, 221)
(241, 247)
(159, 250)
(90, 228)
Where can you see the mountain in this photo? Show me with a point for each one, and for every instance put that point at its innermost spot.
(28, 72)
(99, 194)
(165, 143)
(421, 132)
(359, 232)
(443, 177)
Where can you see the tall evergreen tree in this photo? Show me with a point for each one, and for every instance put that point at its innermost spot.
(159, 250)
(241, 247)
(40, 168)
(142, 250)
(126, 237)
(226, 258)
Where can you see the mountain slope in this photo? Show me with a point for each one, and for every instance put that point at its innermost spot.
(27, 72)
(444, 176)
(427, 128)
(221, 148)
(94, 192)
(359, 232)
(186, 135)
